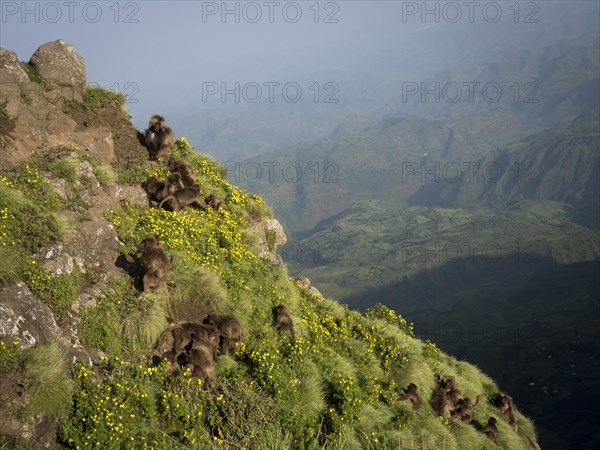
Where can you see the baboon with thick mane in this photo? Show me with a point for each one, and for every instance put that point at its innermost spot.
(182, 167)
(159, 137)
(229, 328)
(155, 261)
(282, 321)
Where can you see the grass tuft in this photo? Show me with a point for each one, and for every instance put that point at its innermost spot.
(46, 381)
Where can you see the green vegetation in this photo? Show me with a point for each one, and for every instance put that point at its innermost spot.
(57, 291)
(335, 386)
(32, 73)
(3, 113)
(96, 97)
(41, 374)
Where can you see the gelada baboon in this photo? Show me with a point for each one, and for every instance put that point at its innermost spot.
(229, 328)
(185, 332)
(173, 183)
(206, 339)
(507, 407)
(448, 384)
(490, 429)
(463, 409)
(154, 189)
(282, 321)
(201, 366)
(410, 393)
(188, 196)
(183, 168)
(159, 137)
(441, 403)
(213, 202)
(155, 261)
(170, 356)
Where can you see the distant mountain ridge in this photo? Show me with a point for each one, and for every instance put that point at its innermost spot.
(560, 164)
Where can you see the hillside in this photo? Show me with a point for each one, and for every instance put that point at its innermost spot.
(78, 359)
(561, 164)
(363, 160)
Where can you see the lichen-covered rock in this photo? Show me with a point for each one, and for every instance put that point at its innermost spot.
(25, 319)
(304, 282)
(59, 64)
(11, 71)
(270, 235)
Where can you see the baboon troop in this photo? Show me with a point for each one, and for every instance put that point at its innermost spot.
(230, 330)
(410, 393)
(282, 321)
(180, 189)
(451, 404)
(196, 346)
(505, 403)
(159, 137)
(155, 262)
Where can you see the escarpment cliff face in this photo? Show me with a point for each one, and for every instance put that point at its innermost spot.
(87, 359)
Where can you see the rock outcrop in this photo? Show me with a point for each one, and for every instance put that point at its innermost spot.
(32, 112)
(61, 66)
(270, 236)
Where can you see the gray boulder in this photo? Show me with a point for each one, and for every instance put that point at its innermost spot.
(59, 64)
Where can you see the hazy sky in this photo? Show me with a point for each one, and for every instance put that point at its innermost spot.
(164, 53)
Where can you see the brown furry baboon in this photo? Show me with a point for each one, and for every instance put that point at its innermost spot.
(159, 137)
(207, 340)
(441, 403)
(410, 393)
(448, 384)
(490, 429)
(154, 189)
(214, 202)
(184, 332)
(505, 403)
(173, 183)
(170, 356)
(463, 409)
(182, 167)
(188, 196)
(282, 321)
(230, 329)
(155, 261)
(201, 366)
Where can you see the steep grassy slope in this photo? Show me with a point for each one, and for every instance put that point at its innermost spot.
(512, 290)
(335, 386)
